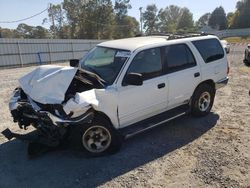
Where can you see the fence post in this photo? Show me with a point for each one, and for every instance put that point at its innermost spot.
(20, 55)
(72, 48)
(49, 53)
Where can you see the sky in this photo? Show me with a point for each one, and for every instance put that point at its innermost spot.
(11, 10)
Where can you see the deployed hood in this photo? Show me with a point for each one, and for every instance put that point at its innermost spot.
(48, 84)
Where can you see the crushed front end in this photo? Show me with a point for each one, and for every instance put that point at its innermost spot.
(52, 127)
(53, 99)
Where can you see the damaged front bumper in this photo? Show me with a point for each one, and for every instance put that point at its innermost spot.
(52, 127)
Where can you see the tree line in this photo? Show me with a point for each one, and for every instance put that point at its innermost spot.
(102, 19)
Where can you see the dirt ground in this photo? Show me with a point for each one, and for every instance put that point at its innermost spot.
(213, 151)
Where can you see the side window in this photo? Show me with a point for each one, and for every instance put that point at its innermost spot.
(148, 63)
(210, 49)
(178, 57)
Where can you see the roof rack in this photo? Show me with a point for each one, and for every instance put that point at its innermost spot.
(186, 35)
(173, 36)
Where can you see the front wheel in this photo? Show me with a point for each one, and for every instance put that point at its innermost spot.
(202, 100)
(98, 138)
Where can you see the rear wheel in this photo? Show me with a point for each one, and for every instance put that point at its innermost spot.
(202, 101)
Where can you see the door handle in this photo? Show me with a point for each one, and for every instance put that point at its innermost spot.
(162, 85)
(197, 74)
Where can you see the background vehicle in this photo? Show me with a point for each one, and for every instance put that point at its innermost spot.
(226, 46)
(247, 54)
(121, 88)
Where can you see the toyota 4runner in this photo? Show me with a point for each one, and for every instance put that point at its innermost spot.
(120, 88)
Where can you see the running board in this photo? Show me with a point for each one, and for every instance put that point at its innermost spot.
(154, 121)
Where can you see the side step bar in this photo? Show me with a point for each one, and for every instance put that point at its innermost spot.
(155, 121)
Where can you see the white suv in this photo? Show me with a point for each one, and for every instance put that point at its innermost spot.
(120, 88)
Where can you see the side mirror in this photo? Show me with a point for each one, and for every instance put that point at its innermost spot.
(74, 62)
(133, 79)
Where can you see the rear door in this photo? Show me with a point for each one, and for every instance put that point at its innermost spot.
(214, 64)
(183, 73)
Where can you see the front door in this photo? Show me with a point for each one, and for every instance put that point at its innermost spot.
(140, 102)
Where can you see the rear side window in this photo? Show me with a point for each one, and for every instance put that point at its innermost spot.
(178, 57)
(210, 49)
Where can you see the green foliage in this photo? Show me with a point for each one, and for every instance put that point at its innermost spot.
(186, 21)
(203, 20)
(242, 14)
(218, 19)
(99, 19)
(169, 17)
(8, 33)
(121, 7)
(56, 17)
(125, 26)
(26, 31)
(102, 19)
(172, 19)
(151, 19)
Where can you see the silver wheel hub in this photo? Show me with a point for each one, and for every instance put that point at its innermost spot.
(204, 101)
(96, 139)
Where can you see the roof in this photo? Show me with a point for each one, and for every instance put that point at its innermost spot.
(131, 44)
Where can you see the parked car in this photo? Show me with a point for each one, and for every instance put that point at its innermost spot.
(226, 46)
(119, 89)
(247, 54)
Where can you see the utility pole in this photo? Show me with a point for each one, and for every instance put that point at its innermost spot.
(141, 19)
(53, 19)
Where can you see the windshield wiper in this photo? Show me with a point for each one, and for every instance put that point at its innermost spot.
(93, 74)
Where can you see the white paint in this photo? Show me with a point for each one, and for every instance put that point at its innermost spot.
(48, 84)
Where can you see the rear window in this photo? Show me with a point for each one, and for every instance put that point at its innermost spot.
(210, 49)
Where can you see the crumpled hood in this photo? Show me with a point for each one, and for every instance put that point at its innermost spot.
(48, 84)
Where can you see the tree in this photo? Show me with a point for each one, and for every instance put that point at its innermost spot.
(121, 7)
(8, 33)
(186, 21)
(40, 32)
(241, 16)
(203, 20)
(125, 26)
(230, 18)
(75, 14)
(99, 20)
(168, 18)
(150, 18)
(56, 17)
(218, 19)
(27, 31)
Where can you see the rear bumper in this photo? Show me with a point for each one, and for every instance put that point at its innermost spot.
(221, 83)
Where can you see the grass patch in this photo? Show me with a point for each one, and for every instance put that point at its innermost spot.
(245, 69)
(238, 39)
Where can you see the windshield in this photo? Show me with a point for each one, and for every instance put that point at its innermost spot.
(105, 62)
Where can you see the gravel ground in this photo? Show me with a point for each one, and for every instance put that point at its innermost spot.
(213, 151)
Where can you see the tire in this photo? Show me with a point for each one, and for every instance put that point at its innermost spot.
(202, 100)
(97, 139)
